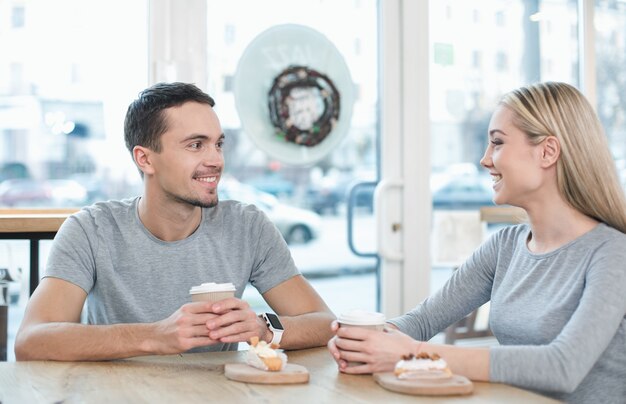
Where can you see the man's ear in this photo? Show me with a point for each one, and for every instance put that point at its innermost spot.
(142, 156)
(550, 151)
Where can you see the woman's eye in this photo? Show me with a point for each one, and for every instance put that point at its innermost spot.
(496, 142)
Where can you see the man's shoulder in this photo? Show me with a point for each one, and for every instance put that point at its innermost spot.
(232, 207)
(237, 216)
(106, 210)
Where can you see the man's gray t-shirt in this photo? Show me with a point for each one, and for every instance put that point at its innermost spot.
(133, 277)
(559, 317)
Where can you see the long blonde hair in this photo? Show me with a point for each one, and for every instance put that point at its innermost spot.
(586, 174)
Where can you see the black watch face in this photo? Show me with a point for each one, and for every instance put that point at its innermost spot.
(274, 321)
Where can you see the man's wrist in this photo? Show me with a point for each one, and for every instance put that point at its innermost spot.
(266, 334)
(274, 326)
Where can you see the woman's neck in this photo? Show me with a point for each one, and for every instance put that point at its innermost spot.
(555, 223)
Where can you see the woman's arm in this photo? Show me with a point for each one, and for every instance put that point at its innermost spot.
(468, 288)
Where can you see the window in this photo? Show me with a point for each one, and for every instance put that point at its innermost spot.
(502, 61)
(16, 80)
(500, 19)
(517, 48)
(66, 79)
(476, 16)
(476, 59)
(228, 83)
(610, 17)
(229, 34)
(18, 14)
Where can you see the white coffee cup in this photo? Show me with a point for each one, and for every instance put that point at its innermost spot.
(362, 318)
(212, 292)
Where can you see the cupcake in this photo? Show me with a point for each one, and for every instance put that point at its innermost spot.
(263, 356)
(422, 366)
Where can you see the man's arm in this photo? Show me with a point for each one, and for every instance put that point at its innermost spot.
(303, 313)
(51, 329)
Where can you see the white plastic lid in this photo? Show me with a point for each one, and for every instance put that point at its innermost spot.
(212, 287)
(361, 317)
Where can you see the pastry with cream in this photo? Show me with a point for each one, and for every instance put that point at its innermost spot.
(264, 356)
(422, 366)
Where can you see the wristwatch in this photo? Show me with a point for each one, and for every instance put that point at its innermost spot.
(275, 326)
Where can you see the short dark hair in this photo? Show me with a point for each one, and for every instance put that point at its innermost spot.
(145, 121)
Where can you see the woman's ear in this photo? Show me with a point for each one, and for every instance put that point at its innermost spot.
(550, 151)
(141, 155)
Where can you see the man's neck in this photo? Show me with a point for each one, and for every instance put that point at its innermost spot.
(169, 221)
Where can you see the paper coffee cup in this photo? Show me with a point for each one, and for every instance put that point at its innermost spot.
(361, 319)
(212, 292)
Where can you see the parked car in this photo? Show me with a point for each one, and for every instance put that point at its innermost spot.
(272, 183)
(37, 193)
(94, 185)
(13, 170)
(296, 225)
(24, 192)
(67, 193)
(328, 194)
(464, 192)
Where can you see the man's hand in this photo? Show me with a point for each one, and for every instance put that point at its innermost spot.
(235, 321)
(185, 329)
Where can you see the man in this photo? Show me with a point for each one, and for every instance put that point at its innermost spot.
(135, 260)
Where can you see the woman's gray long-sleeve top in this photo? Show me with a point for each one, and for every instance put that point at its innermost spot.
(560, 317)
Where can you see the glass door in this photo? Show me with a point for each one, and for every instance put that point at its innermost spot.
(306, 196)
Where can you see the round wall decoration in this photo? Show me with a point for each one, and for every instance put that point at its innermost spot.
(294, 94)
(304, 105)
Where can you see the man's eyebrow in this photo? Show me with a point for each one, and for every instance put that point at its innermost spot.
(198, 136)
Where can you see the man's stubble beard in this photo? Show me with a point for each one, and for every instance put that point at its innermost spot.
(196, 202)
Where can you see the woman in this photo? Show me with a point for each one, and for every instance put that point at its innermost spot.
(557, 284)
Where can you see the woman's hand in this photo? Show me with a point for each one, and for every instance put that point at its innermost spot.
(376, 351)
(332, 347)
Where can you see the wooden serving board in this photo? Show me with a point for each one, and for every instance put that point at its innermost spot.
(291, 374)
(456, 385)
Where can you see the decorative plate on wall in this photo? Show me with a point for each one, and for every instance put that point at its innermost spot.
(294, 94)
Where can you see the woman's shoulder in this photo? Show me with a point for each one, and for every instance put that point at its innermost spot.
(605, 236)
(605, 231)
(511, 233)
